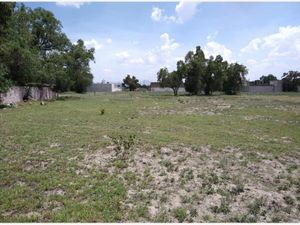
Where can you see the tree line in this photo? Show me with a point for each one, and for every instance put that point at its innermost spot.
(33, 49)
(201, 75)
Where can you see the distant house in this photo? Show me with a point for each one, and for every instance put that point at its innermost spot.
(104, 87)
(155, 87)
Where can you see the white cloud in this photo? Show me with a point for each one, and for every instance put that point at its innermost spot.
(286, 41)
(253, 45)
(107, 70)
(183, 12)
(137, 61)
(213, 48)
(70, 4)
(122, 55)
(108, 40)
(156, 14)
(274, 53)
(212, 36)
(124, 58)
(93, 43)
(151, 58)
(168, 44)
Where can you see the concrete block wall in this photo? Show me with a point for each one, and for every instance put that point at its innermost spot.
(16, 94)
(159, 89)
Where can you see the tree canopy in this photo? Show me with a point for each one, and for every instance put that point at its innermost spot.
(131, 82)
(202, 75)
(266, 79)
(172, 80)
(291, 81)
(33, 49)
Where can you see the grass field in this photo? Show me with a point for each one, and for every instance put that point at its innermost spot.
(151, 157)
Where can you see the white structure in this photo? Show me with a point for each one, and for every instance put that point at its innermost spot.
(104, 87)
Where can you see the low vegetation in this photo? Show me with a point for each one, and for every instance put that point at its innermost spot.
(151, 158)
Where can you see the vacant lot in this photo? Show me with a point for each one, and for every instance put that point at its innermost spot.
(149, 157)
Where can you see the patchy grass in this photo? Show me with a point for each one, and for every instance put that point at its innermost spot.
(151, 157)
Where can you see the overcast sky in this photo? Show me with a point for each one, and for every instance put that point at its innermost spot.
(139, 38)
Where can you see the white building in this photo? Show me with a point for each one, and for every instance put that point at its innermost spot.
(104, 87)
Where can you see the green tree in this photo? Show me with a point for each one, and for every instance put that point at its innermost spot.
(5, 82)
(234, 78)
(16, 52)
(131, 82)
(171, 80)
(33, 49)
(46, 32)
(78, 69)
(266, 79)
(195, 70)
(291, 81)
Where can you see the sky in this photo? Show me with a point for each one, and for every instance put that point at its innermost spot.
(139, 38)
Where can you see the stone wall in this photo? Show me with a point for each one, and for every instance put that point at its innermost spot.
(159, 89)
(258, 89)
(16, 94)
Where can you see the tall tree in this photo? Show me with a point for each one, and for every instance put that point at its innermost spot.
(78, 68)
(131, 82)
(20, 58)
(33, 49)
(46, 32)
(266, 79)
(234, 77)
(291, 81)
(171, 80)
(195, 69)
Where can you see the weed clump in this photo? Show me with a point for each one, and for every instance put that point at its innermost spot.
(255, 207)
(123, 145)
(180, 214)
(222, 208)
(168, 164)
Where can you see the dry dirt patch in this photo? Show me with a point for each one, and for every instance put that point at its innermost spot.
(207, 184)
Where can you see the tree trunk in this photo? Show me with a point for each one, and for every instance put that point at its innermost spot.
(175, 90)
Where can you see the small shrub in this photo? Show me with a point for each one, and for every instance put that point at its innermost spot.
(284, 187)
(185, 199)
(222, 208)
(276, 219)
(123, 145)
(193, 212)
(254, 208)
(180, 214)
(239, 187)
(243, 218)
(121, 164)
(142, 211)
(162, 217)
(130, 177)
(289, 200)
(168, 164)
(291, 168)
(186, 175)
(213, 178)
